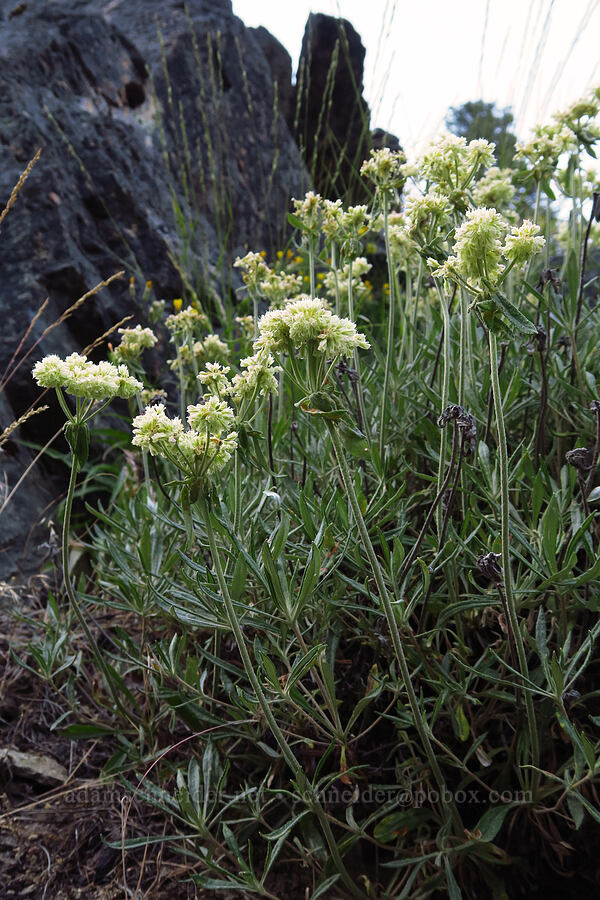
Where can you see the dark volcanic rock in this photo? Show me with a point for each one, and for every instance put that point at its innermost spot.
(333, 117)
(280, 64)
(85, 81)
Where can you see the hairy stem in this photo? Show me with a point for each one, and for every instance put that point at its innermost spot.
(390, 335)
(506, 562)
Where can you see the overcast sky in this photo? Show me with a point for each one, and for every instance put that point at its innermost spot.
(426, 55)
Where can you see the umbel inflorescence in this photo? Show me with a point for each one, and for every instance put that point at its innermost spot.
(91, 381)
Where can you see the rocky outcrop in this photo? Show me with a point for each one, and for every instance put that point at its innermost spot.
(139, 107)
(332, 127)
(280, 64)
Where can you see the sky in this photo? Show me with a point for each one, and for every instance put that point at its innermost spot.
(424, 56)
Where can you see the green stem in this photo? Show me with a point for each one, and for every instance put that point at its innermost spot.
(335, 276)
(311, 266)
(390, 334)
(309, 794)
(72, 593)
(445, 395)
(237, 479)
(506, 562)
(355, 357)
(386, 603)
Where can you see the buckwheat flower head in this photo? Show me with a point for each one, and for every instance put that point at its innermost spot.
(308, 323)
(214, 378)
(49, 372)
(92, 381)
(213, 416)
(306, 319)
(258, 377)
(542, 151)
(211, 348)
(584, 108)
(254, 269)
(340, 338)
(331, 225)
(522, 243)
(429, 211)
(444, 161)
(133, 342)
(448, 269)
(277, 287)
(273, 331)
(477, 244)
(212, 453)
(494, 188)
(355, 220)
(450, 162)
(153, 429)
(188, 321)
(309, 211)
(480, 153)
(384, 167)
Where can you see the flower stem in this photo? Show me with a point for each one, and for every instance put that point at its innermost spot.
(444, 400)
(309, 794)
(390, 334)
(72, 593)
(506, 563)
(386, 603)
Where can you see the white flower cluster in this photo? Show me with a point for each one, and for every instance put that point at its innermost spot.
(385, 167)
(522, 243)
(254, 269)
(450, 162)
(479, 249)
(402, 245)
(82, 378)
(210, 349)
(133, 343)
(542, 150)
(309, 212)
(198, 453)
(277, 287)
(186, 322)
(258, 377)
(426, 213)
(214, 378)
(308, 325)
(360, 267)
(213, 416)
(495, 188)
